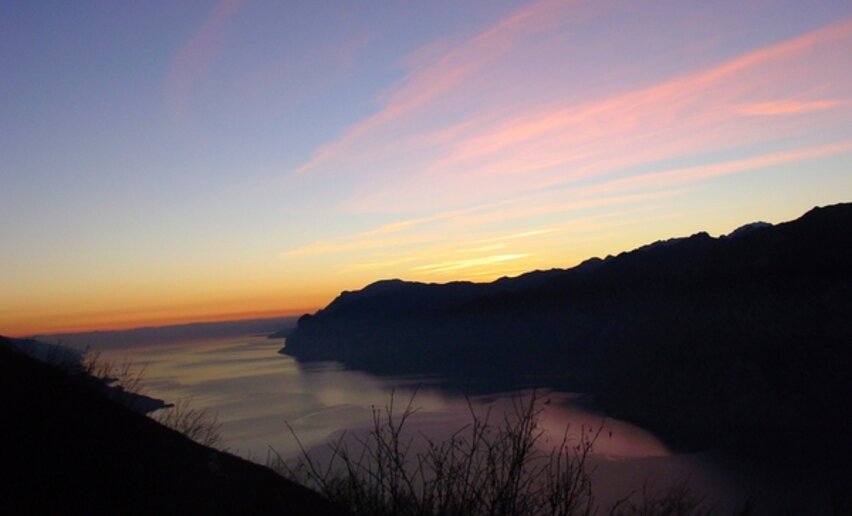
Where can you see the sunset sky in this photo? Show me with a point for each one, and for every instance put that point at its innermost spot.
(171, 161)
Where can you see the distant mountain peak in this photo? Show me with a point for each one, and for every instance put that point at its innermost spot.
(701, 235)
(701, 338)
(747, 228)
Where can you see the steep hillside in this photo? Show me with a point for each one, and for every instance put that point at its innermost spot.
(67, 449)
(696, 337)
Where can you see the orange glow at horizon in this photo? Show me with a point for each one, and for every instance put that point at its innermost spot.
(254, 160)
(124, 320)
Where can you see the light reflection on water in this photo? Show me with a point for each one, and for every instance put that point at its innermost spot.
(256, 392)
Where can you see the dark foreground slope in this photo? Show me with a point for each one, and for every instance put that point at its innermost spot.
(699, 338)
(66, 449)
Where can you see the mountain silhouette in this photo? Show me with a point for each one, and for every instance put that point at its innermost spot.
(699, 338)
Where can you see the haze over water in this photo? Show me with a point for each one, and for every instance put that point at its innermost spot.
(256, 392)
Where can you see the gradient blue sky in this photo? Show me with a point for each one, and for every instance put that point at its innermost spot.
(176, 161)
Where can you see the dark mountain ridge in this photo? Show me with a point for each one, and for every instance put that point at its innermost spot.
(695, 337)
(109, 339)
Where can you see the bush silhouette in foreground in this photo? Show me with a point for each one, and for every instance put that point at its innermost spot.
(485, 468)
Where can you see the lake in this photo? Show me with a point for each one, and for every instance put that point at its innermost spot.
(257, 392)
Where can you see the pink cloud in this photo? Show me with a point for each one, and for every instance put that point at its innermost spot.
(678, 176)
(540, 146)
(441, 74)
(789, 107)
(193, 60)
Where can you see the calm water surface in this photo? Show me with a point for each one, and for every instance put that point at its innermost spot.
(256, 392)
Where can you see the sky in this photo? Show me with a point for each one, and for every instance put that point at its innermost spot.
(166, 162)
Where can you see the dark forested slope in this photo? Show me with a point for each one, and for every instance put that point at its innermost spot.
(65, 448)
(696, 337)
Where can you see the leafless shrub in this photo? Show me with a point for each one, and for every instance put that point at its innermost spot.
(198, 424)
(677, 500)
(483, 468)
(123, 382)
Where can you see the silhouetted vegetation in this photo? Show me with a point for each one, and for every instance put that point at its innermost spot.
(198, 424)
(508, 467)
(120, 382)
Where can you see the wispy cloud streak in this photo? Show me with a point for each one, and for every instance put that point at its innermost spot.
(195, 58)
(789, 107)
(430, 80)
(405, 161)
(471, 172)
